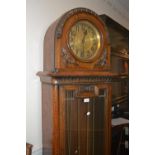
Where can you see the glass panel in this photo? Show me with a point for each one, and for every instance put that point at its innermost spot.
(99, 126)
(71, 123)
(84, 124)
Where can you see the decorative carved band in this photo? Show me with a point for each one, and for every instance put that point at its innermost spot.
(87, 80)
(75, 80)
(56, 80)
(86, 88)
(68, 15)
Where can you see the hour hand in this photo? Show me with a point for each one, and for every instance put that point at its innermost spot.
(84, 36)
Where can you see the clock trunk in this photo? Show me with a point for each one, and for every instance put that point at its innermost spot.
(76, 119)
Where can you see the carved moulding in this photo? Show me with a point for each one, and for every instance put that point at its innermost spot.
(75, 80)
(58, 80)
(68, 15)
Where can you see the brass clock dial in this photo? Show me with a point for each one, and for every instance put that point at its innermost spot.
(84, 40)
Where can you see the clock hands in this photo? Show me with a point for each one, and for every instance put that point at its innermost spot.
(83, 40)
(85, 33)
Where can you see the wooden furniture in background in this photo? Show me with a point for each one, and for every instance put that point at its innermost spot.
(120, 138)
(119, 40)
(28, 149)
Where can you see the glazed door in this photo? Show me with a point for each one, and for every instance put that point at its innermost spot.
(84, 122)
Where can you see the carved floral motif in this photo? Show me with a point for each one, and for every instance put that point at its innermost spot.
(102, 60)
(68, 59)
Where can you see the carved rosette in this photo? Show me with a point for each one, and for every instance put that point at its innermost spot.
(102, 60)
(67, 57)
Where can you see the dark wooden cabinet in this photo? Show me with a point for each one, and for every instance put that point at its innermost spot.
(119, 39)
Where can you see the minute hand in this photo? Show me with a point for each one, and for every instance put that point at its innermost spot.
(83, 39)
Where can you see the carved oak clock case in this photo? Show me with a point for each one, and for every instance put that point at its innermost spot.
(76, 86)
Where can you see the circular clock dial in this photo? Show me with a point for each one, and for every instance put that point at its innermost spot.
(84, 40)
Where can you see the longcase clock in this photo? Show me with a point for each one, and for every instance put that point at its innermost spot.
(76, 86)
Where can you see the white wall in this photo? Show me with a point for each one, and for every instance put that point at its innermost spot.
(40, 14)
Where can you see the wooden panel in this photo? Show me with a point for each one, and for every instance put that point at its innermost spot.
(71, 120)
(55, 121)
(99, 125)
(47, 118)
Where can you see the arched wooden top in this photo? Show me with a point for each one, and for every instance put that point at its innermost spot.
(58, 55)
